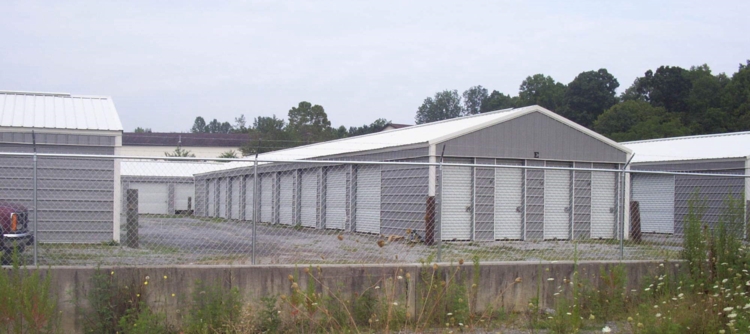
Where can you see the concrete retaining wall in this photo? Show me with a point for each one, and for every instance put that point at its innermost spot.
(170, 288)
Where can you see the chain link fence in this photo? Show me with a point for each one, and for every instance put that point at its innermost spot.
(110, 210)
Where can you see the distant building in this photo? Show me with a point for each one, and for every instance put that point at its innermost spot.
(394, 126)
(203, 145)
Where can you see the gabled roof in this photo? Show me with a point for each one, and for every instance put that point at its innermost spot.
(234, 140)
(427, 134)
(58, 111)
(715, 146)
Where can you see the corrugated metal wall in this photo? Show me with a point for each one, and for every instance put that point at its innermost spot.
(403, 204)
(75, 196)
(484, 201)
(534, 209)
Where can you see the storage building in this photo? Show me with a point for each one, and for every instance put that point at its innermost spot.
(664, 199)
(476, 203)
(78, 199)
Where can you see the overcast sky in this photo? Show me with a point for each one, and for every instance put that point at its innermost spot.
(164, 63)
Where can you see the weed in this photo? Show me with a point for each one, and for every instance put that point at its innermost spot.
(26, 303)
(213, 308)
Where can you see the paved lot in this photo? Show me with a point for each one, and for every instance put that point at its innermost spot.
(189, 240)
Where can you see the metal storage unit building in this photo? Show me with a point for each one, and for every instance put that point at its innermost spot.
(663, 199)
(78, 199)
(476, 203)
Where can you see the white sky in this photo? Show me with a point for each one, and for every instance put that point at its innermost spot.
(164, 63)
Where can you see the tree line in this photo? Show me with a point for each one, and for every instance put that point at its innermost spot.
(670, 101)
(305, 124)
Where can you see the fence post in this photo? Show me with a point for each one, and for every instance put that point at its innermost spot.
(621, 214)
(36, 213)
(131, 220)
(255, 205)
(439, 201)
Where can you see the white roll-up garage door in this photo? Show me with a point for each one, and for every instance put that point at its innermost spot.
(309, 198)
(266, 198)
(152, 197)
(223, 188)
(249, 197)
(235, 202)
(556, 204)
(368, 199)
(457, 203)
(211, 198)
(184, 193)
(286, 199)
(603, 205)
(336, 198)
(655, 193)
(508, 200)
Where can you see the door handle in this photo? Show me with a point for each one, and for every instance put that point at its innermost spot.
(567, 209)
(519, 209)
(611, 210)
(468, 208)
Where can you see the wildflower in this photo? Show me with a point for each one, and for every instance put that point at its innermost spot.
(551, 279)
(400, 277)
(640, 325)
(518, 280)
(449, 314)
(377, 287)
(592, 317)
(569, 313)
(630, 319)
(165, 276)
(606, 329)
(173, 295)
(728, 309)
(147, 278)
(747, 306)
(408, 276)
(461, 324)
(661, 265)
(732, 315)
(658, 315)
(395, 304)
(145, 283)
(646, 289)
(434, 266)
(725, 280)
(112, 273)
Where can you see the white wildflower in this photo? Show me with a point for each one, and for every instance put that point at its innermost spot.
(606, 329)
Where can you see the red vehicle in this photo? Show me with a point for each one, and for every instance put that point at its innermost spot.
(14, 225)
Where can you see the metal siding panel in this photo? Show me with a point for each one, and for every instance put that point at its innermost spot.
(456, 203)
(211, 198)
(403, 205)
(368, 199)
(556, 204)
(335, 204)
(183, 191)
(235, 199)
(713, 190)
(535, 132)
(484, 206)
(249, 197)
(508, 199)
(656, 194)
(603, 204)
(223, 189)
(534, 204)
(266, 198)
(309, 199)
(286, 199)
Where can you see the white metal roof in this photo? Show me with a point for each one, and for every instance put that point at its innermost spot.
(167, 168)
(717, 146)
(58, 111)
(430, 133)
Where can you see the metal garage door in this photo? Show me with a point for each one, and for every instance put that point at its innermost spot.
(184, 193)
(368, 199)
(235, 202)
(508, 201)
(309, 198)
(266, 198)
(286, 199)
(603, 205)
(211, 198)
(223, 188)
(152, 197)
(249, 196)
(556, 204)
(655, 193)
(336, 198)
(456, 192)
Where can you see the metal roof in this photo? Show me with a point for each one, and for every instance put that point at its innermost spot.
(427, 134)
(716, 146)
(58, 111)
(167, 168)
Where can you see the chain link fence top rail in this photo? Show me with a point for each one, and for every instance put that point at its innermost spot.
(114, 210)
